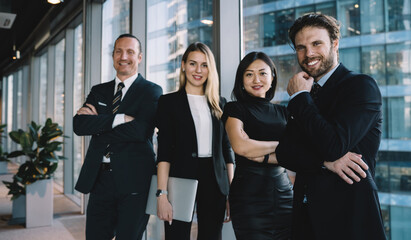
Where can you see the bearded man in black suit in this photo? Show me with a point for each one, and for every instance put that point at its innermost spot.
(331, 139)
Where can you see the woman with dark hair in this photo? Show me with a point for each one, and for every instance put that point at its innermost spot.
(192, 143)
(261, 193)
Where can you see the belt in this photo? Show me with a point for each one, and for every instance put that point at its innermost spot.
(263, 171)
(105, 167)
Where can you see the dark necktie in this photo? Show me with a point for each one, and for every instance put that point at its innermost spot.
(315, 90)
(115, 105)
(117, 97)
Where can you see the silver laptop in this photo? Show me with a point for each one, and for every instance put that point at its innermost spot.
(181, 194)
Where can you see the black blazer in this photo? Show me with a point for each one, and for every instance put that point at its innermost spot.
(346, 117)
(132, 158)
(177, 140)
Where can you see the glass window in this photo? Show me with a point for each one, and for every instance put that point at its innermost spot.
(382, 172)
(250, 3)
(43, 89)
(20, 100)
(116, 21)
(401, 222)
(9, 122)
(251, 32)
(399, 64)
(303, 10)
(393, 172)
(399, 15)
(171, 27)
(78, 86)
(283, 21)
(351, 58)
(326, 8)
(349, 16)
(287, 66)
(399, 117)
(372, 16)
(373, 63)
(59, 101)
(266, 30)
(385, 119)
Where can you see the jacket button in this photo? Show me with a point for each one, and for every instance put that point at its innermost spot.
(194, 154)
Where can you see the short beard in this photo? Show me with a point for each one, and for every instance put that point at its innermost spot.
(325, 66)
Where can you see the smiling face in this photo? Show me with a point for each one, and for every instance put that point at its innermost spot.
(257, 78)
(126, 57)
(316, 54)
(196, 72)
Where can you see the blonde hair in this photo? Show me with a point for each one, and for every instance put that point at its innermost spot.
(211, 85)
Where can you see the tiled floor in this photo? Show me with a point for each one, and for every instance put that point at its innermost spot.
(68, 223)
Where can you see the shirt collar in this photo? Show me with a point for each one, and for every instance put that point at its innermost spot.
(325, 78)
(127, 82)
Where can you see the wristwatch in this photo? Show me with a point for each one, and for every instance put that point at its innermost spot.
(161, 192)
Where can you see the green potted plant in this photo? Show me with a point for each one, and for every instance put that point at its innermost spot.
(3, 155)
(34, 177)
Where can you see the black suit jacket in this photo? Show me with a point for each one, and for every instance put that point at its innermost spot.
(177, 140)
(346, 117)
(132, 158)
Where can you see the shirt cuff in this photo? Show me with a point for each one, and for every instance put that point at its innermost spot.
(295, 94)
(118, 119)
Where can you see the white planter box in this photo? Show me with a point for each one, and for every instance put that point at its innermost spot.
(39, 203)
(3, 167)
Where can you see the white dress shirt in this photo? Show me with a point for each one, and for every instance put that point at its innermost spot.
(119, 118)
(201, 114)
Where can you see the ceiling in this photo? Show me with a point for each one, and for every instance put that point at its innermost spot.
(29, 14)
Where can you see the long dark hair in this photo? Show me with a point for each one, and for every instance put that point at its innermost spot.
(239, 93)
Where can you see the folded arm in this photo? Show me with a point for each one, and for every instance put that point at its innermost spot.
(242, 144)
(138, 126)
(88, 121)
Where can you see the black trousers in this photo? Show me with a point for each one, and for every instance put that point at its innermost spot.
(261, 204)
(110, 213)
(210, 208)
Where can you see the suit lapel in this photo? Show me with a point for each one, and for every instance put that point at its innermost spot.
(131, 93)
(109, 93)
(215, 135)
(326, 97)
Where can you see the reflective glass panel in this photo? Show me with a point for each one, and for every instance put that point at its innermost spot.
(43, 89)
(372, 16)
(20, 100)
(351, 58)
(399, 64)
(250, 3)
(373, 63)
(287, 66)
(59, 102)
(116, 21)
(399, 15)
(10, 128)
(171, 27)
(349, 16)
(399, 117)
(78, 86)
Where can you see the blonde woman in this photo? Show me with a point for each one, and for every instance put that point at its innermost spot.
(192, 143)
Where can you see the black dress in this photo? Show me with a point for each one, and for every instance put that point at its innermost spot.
(260, 194)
